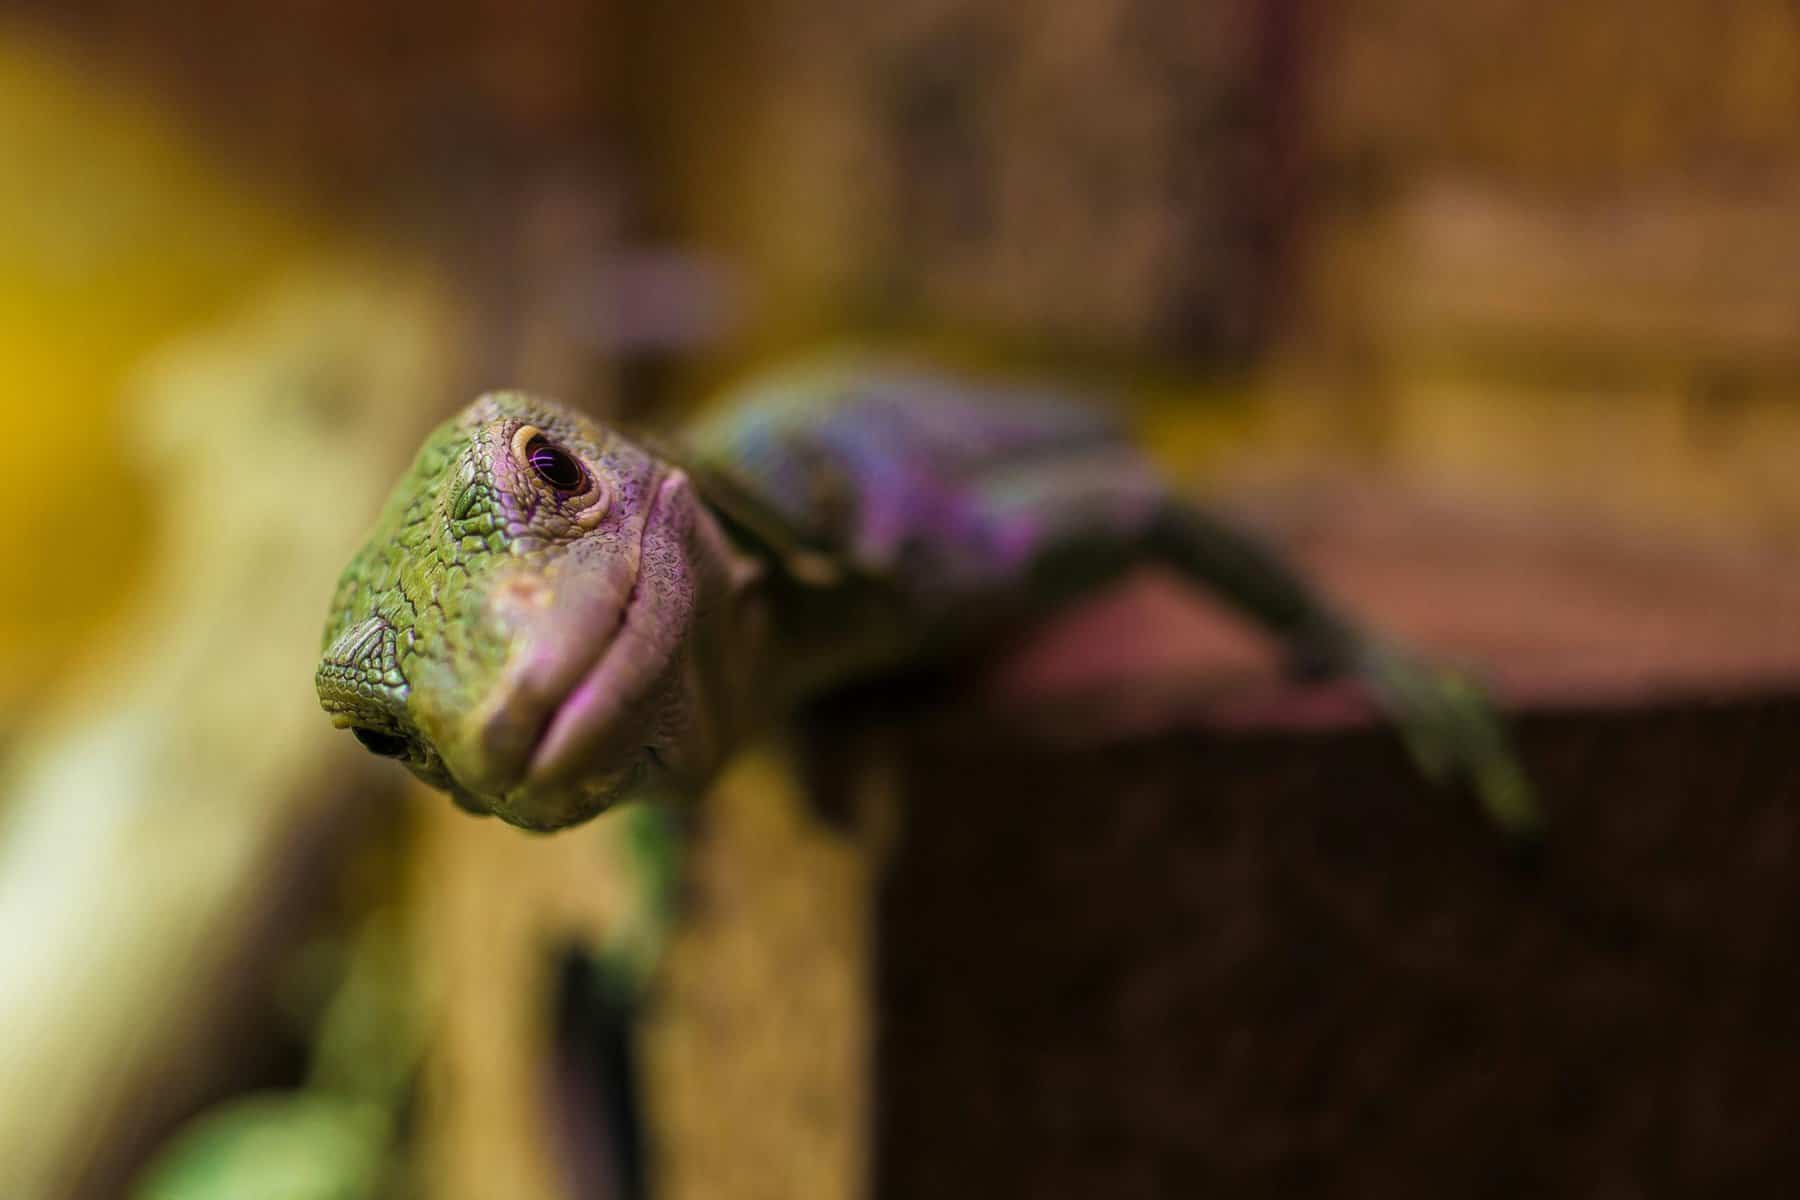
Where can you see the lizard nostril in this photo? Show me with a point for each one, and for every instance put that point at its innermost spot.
(376, 741)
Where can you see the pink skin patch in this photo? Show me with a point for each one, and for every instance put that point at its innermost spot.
(608, 707)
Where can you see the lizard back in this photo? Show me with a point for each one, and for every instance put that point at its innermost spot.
(938, 486)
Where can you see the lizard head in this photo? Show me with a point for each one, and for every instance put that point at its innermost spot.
(515, 628)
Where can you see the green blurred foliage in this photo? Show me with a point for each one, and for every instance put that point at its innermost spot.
(334, 1138)
(279, 1146)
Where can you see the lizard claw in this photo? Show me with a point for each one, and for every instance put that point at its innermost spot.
(1451, 730)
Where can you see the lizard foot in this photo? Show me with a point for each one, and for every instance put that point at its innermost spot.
(1452, 730)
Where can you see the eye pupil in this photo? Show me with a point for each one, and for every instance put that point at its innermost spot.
(376, 741)
(555, 466)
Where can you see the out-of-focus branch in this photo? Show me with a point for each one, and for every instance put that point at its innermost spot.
(153, 817)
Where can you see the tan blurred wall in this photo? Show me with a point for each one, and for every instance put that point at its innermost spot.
(1554, 254)
(1529, 250)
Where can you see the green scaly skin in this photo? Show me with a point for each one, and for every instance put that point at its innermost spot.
(545, 646)
(541, 654)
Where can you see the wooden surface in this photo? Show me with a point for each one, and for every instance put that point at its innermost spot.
(1223, 941)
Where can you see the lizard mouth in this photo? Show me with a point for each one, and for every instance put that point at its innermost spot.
(593, 740)
(579, 644)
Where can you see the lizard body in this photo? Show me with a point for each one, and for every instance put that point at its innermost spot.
(550, 617)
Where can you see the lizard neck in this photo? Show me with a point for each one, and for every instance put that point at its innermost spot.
(764, 641)
(732, 655)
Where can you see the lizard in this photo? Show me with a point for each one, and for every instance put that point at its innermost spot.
(551, 617)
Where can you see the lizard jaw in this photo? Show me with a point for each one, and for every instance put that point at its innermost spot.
(566, 628)
(568, 736)
(612, 706)
(489, 750)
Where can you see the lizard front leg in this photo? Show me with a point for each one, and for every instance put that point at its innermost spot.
(1068, 526)
(1446, 716)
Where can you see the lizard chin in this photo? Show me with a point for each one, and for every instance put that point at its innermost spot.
(550, 808)
(589, 775)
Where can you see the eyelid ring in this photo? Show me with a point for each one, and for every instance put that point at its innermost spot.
(591, 502)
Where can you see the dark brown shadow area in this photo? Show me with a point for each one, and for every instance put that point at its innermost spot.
(1267, 960)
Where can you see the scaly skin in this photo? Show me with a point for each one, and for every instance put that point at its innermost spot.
(544, 651)
(535, 653)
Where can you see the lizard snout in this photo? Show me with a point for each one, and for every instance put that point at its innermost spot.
(360, 683)
(555, 630)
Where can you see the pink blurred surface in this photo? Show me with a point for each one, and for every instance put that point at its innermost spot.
(1552, 615)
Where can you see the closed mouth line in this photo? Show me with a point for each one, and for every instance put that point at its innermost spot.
(611, 640)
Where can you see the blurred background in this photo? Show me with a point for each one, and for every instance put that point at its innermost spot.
(1541, 257)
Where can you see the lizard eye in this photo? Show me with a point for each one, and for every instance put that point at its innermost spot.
(555, 466)
(376, 741)
(580, 496)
